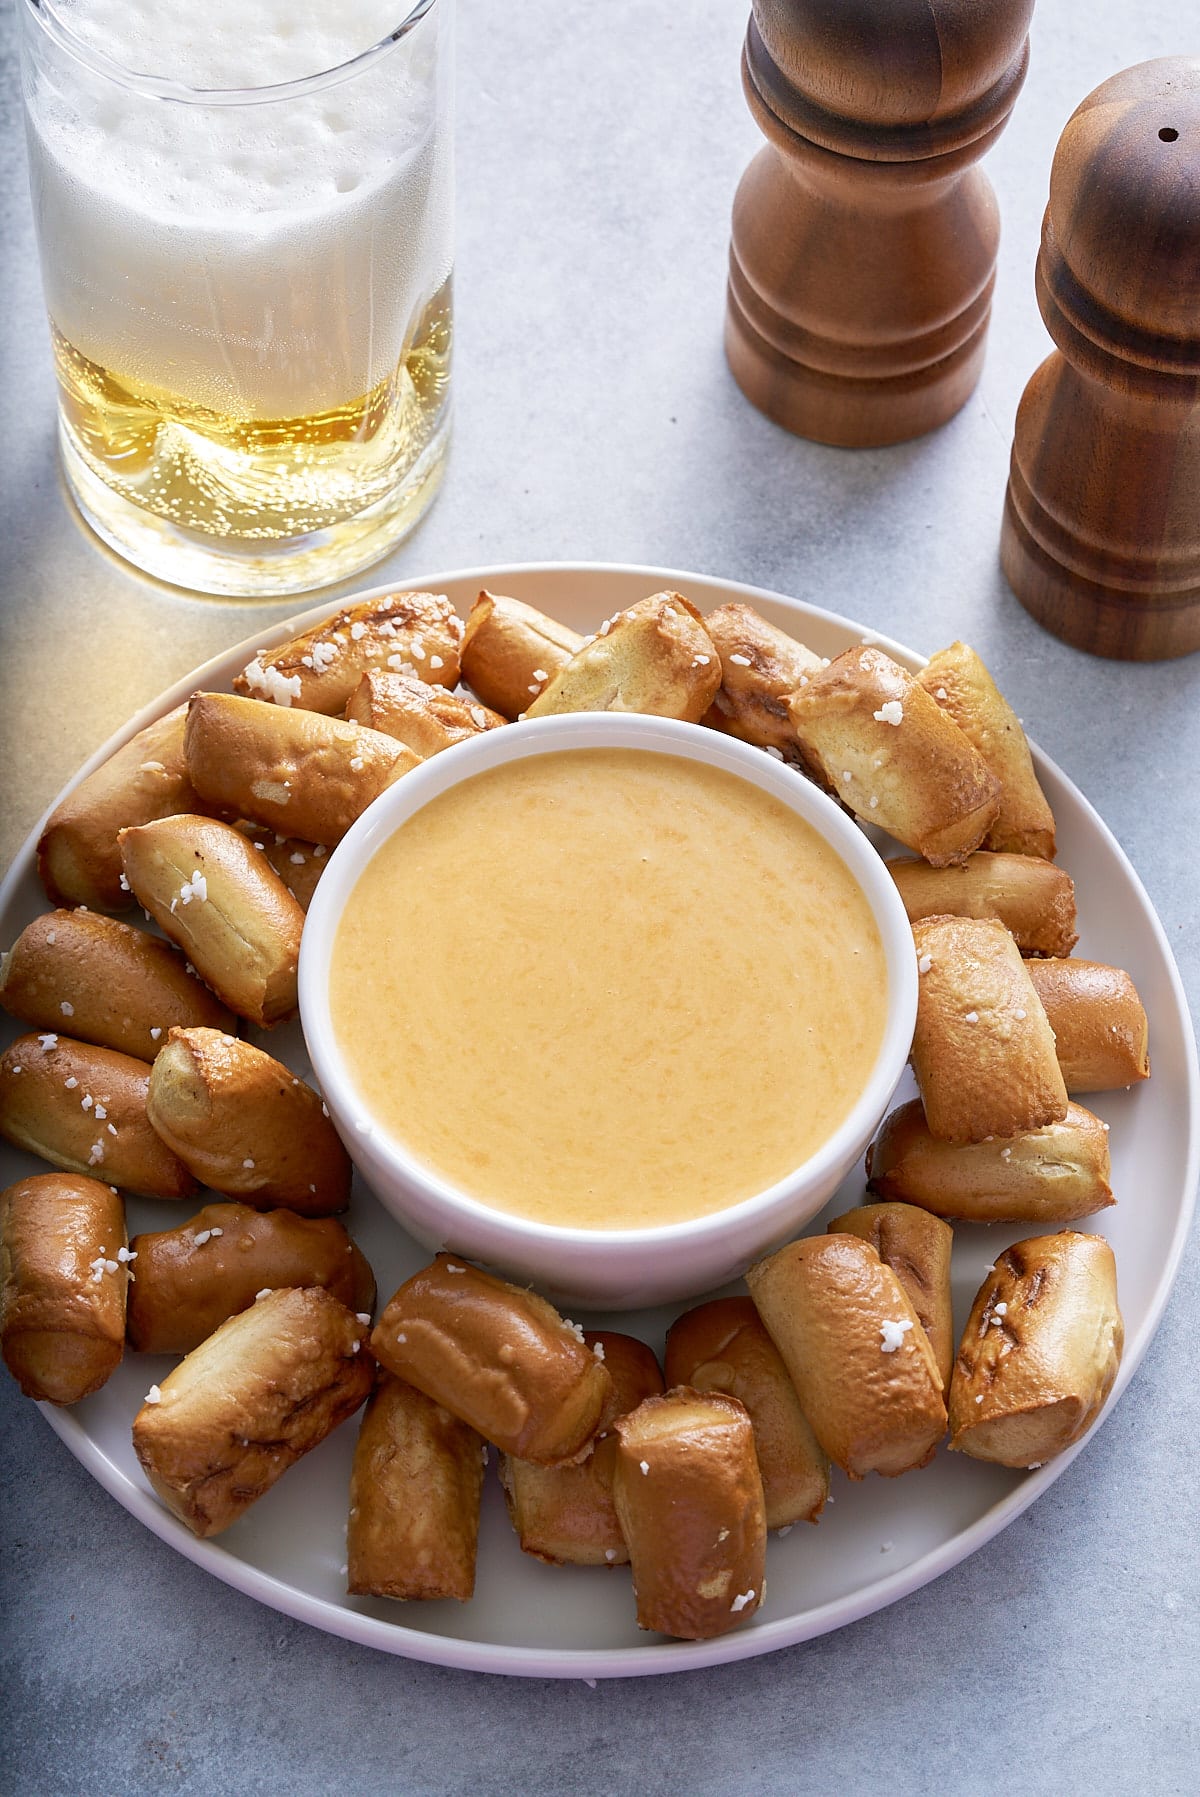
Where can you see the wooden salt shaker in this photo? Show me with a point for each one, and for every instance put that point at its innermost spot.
(1101, 536)
(864, 239)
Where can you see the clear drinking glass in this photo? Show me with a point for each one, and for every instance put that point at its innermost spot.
(249, 285)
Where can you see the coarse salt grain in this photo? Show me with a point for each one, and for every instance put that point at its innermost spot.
(155, 1034)
(891, 712)
(479, 716)
(645, 1465)
(87, 1101)
(435, 661)
(1020, 1016)
(925, 963)
(402, 1338)
(48, 1042)
(452, 1267)
(740, 661)
(1006, 1154)
(153, 1396)
(201, 1237)
(297, 857)
(279, 688)
(893, 1334)
(358, 631)
(535, 687)
(195, 888)
(71, 1083)
(776, 754)
(874, 801)
(1000, 1310)
(971, 1017)
(125, 1255)
(111, 1127)
(247, 1162)
(598, 1350)
(364, 1316)
(741, 1600)
(51, 936)
(942, 693)
(356, 762)
(67, 1009)
(610, 1553)
(265, 1293)
(97, 1154)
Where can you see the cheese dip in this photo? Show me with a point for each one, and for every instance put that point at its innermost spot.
(608, 988)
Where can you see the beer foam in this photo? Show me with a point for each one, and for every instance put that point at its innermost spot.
(267, 259)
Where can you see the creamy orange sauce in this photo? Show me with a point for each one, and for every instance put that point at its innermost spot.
(608, 989)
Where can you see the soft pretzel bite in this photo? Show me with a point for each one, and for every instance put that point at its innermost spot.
(498, 1357)
(861, 1363)
(414, 1498)
(962, 686)
(510, 650)
(1101, 1035)
(877, 739)
(982, 1051)
(214, 894)
(78, 857)
(190, 1279)
(761, 667)
(565, 1514)
(246, 1126)
(654, 657)
(916, 1246)
(688, 1494)
(299, 864)
(83, 1109)
(125, 989)
(1033, 899)
(318, 670)
(298, 772)
(723, 1346)
(1049, 1175)
(426, 719)
(63, 1274)
(1040, 1351)
(239, 1410)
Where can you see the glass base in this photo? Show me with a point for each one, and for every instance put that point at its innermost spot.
(255, 570)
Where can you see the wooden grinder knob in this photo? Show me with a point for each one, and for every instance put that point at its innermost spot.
(864, 241)
(1101, 536)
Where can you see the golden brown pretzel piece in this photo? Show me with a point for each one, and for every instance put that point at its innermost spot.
(83, 1109)
(498, 1357)
(246, 1126)
(957, 679)
(861, 1363)
(214, 894)
(298, 772)
(63, 1274)
(565, 1514)
(318, 670)
(723, 1346)
(1033, 899)
(190, 1279)
(877, 739)
(655, 657)
(1040, 1351)
(426, 719)
(689, 1498)
(299, 864)
(414, 1498)
(761, 667)
(1101, 1035)
(125, 989)
(78, 857)
(509, 649)
(1049, 1175)
(916, 1246)
(982, 1051)
(270, 1384)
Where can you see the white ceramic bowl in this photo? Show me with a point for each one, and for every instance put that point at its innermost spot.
(614, 1269)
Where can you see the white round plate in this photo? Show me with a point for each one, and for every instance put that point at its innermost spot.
(882, 1538)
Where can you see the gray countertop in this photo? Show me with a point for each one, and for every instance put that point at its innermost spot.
(599, 151)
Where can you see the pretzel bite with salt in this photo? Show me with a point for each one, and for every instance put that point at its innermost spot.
(215, 895)
(83, 1109)
(1033, 899)
(957, 679)
(1040, 1351)
(266, 1387)
(122, 988)
(298, 772)
(982, 1051)
(190, 1279)
(511, 650)
(318, 670)
(78, 858)
(861, 1363)
(723, 1346)
(877, 739)
(1049, 1175)
(414, 1498)
(426, 719)
(246, 1126)
(63, 1275)
(1101, 1035)
(299, 864)
(761, 667)
(565, 1514)
(654, 657)
(689, 1498)
(916, 1246)
(497, 1356)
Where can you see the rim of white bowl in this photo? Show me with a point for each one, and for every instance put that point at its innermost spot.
(581, 730)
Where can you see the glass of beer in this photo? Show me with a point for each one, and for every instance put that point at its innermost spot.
(244, 214)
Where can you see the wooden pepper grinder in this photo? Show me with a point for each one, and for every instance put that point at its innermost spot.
(1101, 536)
(864, 241)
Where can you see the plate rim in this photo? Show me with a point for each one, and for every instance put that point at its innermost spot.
(660, 1656)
